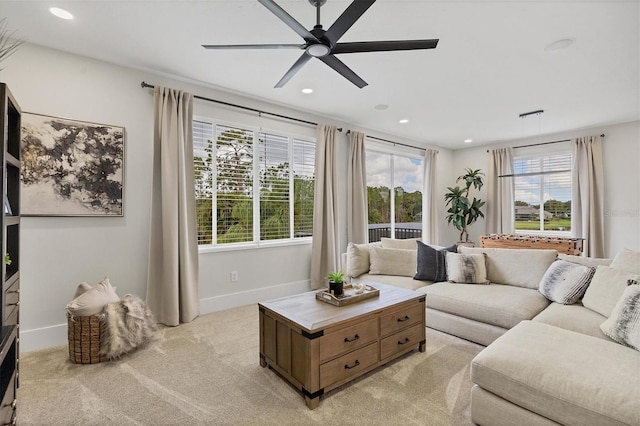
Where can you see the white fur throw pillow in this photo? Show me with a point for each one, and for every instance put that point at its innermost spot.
(387, 261)
(565, 282)
(466, 268)
(623, 325)
(94, 300)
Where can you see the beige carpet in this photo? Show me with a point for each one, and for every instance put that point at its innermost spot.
(207, 373)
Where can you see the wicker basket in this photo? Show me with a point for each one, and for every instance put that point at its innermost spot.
(84, 339)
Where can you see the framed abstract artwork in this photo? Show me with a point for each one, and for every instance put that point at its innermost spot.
(71, 168)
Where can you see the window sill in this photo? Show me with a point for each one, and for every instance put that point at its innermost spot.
(253, 245)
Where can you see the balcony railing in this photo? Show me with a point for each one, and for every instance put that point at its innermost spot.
(403, 231)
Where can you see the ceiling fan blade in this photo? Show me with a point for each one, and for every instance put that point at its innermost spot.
(347, 19)
(253, 46)
(288, 19)
(384, 46)
(293, 70)
(343, 70)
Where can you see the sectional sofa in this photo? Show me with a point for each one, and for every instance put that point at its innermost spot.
(545, 362)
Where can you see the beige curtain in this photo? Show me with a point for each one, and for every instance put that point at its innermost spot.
(325, 245)
(587, 204)
(357, 207)
(172, 287)
(500, 197)
(430, 200)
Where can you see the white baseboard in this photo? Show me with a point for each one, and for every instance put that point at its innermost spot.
(233, 300)
(56, 335)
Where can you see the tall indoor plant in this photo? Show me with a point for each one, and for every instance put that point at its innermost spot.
(462, 212)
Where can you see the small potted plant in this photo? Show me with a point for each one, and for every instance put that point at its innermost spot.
(336, 283)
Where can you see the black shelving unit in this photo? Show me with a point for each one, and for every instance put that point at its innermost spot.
(10, 114)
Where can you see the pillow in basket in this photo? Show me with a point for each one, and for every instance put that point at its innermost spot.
(93, 301)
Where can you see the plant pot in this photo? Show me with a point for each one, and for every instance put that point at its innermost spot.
(336, 288)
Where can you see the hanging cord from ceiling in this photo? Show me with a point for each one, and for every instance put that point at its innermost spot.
(145, 85)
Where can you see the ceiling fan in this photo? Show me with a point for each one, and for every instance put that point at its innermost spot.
(324, 45)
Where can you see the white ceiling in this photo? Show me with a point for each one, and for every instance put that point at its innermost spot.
(490, 64)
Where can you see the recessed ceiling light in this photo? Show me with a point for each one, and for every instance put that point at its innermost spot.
(307, 90)
(380, 107)
(404, 121)
(468, 140)
(60, 13)
(559, 44)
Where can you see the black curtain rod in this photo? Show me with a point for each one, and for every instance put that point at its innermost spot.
(393, 142)
(545, 143)
(145, 85)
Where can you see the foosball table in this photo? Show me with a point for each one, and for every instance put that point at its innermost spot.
(515, 241)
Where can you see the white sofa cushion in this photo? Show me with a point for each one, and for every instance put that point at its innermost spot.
(387, 261)
(495, 304)
(574, 318)
(586, 261)
(606, 288)
(565, 282)
(565, 376)
(623, 325)
(627, 260)
(517, 267)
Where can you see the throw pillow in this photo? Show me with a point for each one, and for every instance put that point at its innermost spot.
(565, 282)
(82, 288)
(93, 301)
(431, 264)
(623, 325)
(406, 244)
(606, 288)
(586, 261)
(357, 259)
(466, 268)
(627, 260)
(386, 261)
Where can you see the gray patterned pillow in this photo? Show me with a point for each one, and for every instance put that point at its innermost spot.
(565, 282)
(623, 325)
(466, 268)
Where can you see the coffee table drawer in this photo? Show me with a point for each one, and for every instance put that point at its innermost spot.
(348, 339)
(401, 318)
(402, 340)
(348, 365)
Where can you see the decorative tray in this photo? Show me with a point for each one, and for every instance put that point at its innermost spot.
(349, 295)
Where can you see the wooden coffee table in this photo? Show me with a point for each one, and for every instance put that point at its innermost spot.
(317, 347)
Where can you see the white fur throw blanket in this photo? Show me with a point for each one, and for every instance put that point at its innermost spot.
(128, 324)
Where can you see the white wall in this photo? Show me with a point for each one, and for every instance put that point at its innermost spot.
(58, 253)
(621, 152)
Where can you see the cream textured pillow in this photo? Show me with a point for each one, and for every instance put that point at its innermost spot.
(408, 244)
(387, 261)
(623, 325)
(357, 259)
(82, 288)
(93, 301)
(466, 268)
(627, 260)
(606, 288)
(565, 282)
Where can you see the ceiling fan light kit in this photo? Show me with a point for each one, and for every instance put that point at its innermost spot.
(324, 45)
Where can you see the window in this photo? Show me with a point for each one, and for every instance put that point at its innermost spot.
(251, 186)
(397, 213)
(542, 187)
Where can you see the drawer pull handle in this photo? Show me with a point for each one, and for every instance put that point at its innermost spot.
(406, 340)
(347, 340)
(406, 318)
(349, 367)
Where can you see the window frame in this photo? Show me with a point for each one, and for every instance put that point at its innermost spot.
(400, 151)
(537, 154)
(256, 243)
